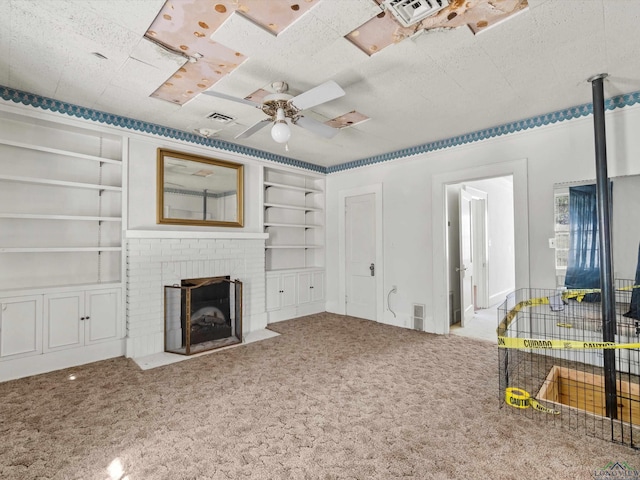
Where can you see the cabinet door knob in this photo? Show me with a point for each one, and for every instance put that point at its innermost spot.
(82, 318)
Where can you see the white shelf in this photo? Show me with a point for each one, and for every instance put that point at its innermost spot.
(38, 216)
(292, 207)
(57, 151)
(59, 183)
(293, 217)
(58, 249)
(292, 225)
(294, 246)
(61, 204)
(292, 187)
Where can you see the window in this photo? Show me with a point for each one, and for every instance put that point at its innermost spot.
(561, 229)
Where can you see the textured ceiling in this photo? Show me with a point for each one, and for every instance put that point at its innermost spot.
(431, 85)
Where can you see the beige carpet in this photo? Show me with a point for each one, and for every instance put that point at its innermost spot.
(333, 397)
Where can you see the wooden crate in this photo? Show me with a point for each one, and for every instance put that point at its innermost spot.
(585, 391)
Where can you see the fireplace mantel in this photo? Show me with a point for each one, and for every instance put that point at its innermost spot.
(195, 234)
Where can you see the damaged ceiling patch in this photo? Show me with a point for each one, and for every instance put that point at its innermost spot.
(185, 27)
(347, 120)
(385, 29)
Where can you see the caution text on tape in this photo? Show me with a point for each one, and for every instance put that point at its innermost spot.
(512, 342)
(518, 398)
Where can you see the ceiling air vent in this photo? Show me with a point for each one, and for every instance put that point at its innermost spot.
(409, 12)
(219, 117)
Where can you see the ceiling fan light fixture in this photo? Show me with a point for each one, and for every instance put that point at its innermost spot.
(280, 132)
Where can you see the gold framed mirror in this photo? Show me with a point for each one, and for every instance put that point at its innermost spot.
(196, 190)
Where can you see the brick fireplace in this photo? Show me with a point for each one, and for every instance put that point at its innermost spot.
(158, 258)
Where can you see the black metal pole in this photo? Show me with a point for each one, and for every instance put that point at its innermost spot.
(606, 259)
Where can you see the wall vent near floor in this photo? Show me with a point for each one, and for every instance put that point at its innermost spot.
(418, 316)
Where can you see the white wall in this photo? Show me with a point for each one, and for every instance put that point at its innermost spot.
(142, 185)
(554, 153)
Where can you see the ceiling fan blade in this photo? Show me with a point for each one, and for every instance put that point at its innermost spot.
(253, 128)
(233, 99)
(316, 127)
(317, 95)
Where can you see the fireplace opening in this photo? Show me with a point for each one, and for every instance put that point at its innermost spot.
(202, 314)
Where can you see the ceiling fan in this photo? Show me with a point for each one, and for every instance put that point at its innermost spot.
(280, 106)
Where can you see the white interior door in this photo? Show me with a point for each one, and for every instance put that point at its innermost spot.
(360, 242)
(466, 258)
(480, 251)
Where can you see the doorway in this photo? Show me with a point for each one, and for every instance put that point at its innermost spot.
(481, 252)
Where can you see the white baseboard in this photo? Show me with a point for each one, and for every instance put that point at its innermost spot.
(499, 297)
(295, 312)
(52, 361)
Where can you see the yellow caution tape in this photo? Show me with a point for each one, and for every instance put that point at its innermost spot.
(577, 294)
(518, 398)
(564, 325)
(511, 342)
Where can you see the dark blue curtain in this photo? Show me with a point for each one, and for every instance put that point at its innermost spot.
(634, 308)
(583, 265)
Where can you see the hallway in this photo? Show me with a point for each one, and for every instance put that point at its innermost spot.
(483, 325)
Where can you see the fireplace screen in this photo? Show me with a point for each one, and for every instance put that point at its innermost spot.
(202, 314)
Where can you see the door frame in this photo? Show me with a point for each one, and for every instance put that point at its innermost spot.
(376, 189)
(440, 262)
(463, 274)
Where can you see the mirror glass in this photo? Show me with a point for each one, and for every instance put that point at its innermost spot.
(195, 190)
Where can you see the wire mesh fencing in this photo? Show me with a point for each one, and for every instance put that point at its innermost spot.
(551, 361)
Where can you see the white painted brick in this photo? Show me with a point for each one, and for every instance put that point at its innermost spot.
(152, 263)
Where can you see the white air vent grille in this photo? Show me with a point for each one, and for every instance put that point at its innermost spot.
(219, 117)
(418, 316)
(410, 12)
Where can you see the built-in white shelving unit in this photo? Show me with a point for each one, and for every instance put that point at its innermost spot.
(60, 243)
(294, 219)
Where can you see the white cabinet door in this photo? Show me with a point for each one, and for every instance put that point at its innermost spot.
(304, 287)
(289, 289)
(317, 286)
(310, 287)
(272, 288)
(20, 326)
(102, 315)
(281, 291)
(63, 320)
(76, 319)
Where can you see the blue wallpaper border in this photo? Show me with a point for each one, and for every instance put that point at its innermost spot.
(507, 128)
(30, 99)
(25, 98)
